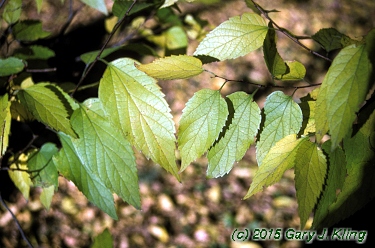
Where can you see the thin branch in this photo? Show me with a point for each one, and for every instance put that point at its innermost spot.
(286, 32)
(16, 221)
(41, 70)
(118, 24)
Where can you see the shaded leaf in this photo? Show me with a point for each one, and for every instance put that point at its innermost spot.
(19, 112)
(283, 117)
(5, 121)
(29, 30)
(136, 105)
(34, 52)
(89, 57)
(251, 5)
(49, 105)
(173, 67)
(39, 5)
(234, 38)
(70, 165)
(310, 171)
(46, 196)
(279, 159)
(344, 87)
(201, 122)
(103, 240)
(97, 4)
(237, 139)
(331, 39)
(295, 71)
(10, 66)
(21, 179)
(12, 11)
(308, 111)
(121, 7)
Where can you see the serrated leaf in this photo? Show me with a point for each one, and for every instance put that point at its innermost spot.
(274, 62)
(97, 4)
(295, 71)
(29, 30)
(237, 139)
(5, 121)
(72, 167)
(344, 87)
(310, 171)
(34, 52)
(43, 170)
(49, 105)
(279, 159)
(283, 117)
(21, 178)
(335, 180)
(234, 38)
(103, 240)
(173, 67)
(201, 122)
(136, 105)
(10, 66)
(108, 154)
(12, 11)
(46, 196)
(331, 39)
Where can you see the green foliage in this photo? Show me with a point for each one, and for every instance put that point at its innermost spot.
(328, 139)
(103, 240)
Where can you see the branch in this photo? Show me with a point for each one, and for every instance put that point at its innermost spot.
(290, 35)
(118, 24)
(16, 221)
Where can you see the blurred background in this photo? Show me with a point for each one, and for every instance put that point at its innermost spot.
(199, 212)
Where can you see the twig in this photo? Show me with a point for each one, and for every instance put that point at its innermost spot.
(41, 70)
(16, 221)
(291, 36)
(118, 24)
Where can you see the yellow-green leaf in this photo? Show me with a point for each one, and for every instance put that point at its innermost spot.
(173, 67)
(295, 71)
(46, 196)
(5, 120)
(20, 177)
(234, 38)
(136, 105)
(201, 122)
(103, 240)
(12, 11)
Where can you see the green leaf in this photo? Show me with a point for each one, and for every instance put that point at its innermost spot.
(97, 4)
(39, 5)
(279, 159)
(10, 66)
(295, 71)
(43, 170)
(19, 112)
(5, 121)
(168, 3)
(331, 39)
(234, 38)
(173, 67)
(201, 122)
(175, 38)
(107, 153)
(335, 180)
(46, 196)
(252, 6)
(344, 88)
(283, 117)
(274, 62)
(12, 11)
(136, 105)
(310, 171)
(69, 164)
(121, 7)
(34, 52)
(89, 57)
(103, 240)
(237, 139)
(21, 179)
(29, 30)
(49, 105)
(308, 111)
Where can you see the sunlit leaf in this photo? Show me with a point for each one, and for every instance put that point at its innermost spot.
(279, 159)
(344, 88)
(136, 105)
(310, 171)
(283, 117)
(46, 196)
(20, 177)
(49, 105)
(234, 38)
(237, 139)
(103, 240)
(12, 11)
(97, 4)
(5, 121)
(295, 71)
(29, 30)
(10, 66)
(200, 125)
(173, 67)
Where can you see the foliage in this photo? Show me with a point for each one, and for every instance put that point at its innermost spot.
(97, 136)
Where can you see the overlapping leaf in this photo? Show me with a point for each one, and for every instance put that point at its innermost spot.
(234, 38)
(237, 139)
(136, 105)
(49, 105)
(21, 178)
(201, 122)
(279, 159)
(331, 39)
(46, 196)
(173, 67)
(310, 171)
(283, 117)
(12, 11)
(5, 120)
(295, 71)
(344, 88)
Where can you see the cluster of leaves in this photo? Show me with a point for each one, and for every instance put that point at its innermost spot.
(97, 136)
